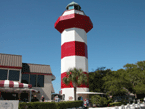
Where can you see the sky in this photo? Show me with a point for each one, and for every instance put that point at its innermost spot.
(117, 37)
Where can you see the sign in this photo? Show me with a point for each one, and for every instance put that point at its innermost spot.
(9, 104)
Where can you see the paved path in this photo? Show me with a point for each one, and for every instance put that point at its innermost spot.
(119, 107)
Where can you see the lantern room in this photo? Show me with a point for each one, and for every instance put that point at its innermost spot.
(73, 5)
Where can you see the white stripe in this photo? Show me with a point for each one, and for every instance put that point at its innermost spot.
(82, 89)
(79, 89)
(72, 12)
(70, 92)
(25, 85)
(6, 83)
(74, 61)
(16, 84)
(73, 34)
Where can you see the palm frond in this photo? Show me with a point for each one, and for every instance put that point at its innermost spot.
(66, 80)
(76, 76)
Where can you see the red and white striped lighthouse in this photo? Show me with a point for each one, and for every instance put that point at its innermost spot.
(73, 25)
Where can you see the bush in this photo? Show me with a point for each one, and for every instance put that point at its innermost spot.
(69, 104)
(125, 101)
(115, 104)
(142, 99)
(100, 101)
(103, 101)
(50, 105)
(37, 105)
(94, 99)
(109, 100)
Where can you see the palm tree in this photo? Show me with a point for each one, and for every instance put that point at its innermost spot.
(77, 77)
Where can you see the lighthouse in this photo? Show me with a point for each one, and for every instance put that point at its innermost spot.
(73, 25)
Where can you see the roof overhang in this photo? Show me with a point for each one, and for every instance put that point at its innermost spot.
(27, 89)
(53, 77)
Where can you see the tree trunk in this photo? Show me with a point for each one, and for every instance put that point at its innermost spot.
(75, 93)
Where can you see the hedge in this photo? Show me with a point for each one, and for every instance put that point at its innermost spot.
(37, 105)
(69, 104)
(115, 104)
(50, 105)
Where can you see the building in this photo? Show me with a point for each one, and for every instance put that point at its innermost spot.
(21, 80)
(73, 25)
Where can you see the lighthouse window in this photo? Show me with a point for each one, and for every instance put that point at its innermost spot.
(71, 7)
(76, 8)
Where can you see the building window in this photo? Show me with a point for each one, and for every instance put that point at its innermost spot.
(3, 74)
(33, 80)
(14, 75)
(25, 78)
(40, 80)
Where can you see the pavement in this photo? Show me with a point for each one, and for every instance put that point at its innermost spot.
(130, 106)
(142, 106)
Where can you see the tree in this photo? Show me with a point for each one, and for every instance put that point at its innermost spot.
(77, 77)
(95, 79)
(136, 76)
(120, 82)
(115, 83)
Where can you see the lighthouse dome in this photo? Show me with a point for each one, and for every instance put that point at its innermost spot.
(73, 5)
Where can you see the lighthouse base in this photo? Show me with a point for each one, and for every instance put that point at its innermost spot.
(69, 93)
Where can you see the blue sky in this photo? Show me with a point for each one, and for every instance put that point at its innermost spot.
(117, 37)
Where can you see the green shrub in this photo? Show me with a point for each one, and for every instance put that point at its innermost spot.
(38, 105)
(124, 101)
(69, 104)
(142, 99)
(109, 100)
(115, 104)
(94, 99)
(50, 105)
(103, 101)
(100, 101)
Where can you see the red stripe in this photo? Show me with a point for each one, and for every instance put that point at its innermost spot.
(71, 85)
(36, 73)
(74, 48)
(29, 86)
(21, 85)
(13, 67)
(11, 84)
(2, 83)
(73, 21)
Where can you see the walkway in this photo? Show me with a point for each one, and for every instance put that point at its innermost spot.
(119, 107)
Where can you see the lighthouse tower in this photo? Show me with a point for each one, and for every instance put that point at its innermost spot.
(73, 25)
